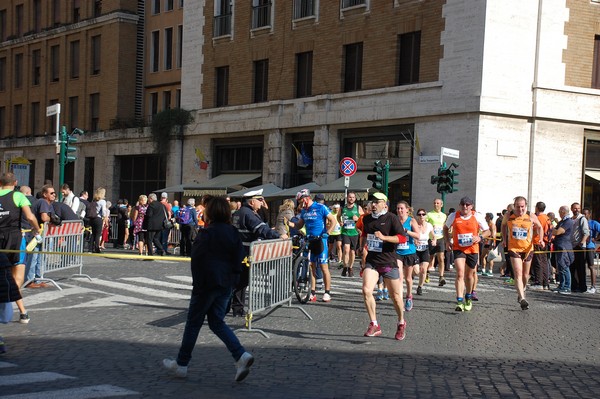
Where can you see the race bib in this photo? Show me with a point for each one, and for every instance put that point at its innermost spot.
(402, 246)
(349, 224)
(337, 229)
(374, 244)
(465, 240)
(438, 230)
(422, 245)
(519, 233)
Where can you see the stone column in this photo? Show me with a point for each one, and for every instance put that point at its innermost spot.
(326, 155)
(272, 164)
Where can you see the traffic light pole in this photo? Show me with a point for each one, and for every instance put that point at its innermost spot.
(62, 160)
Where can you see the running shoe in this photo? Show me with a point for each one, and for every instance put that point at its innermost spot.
(489, 274)
(408, 304)
(427, 277)
(379, 295)
(373, 330)
(460, 306)
(442, 282)
(344, 272)
(509, 281)
(386, 295)
(591, 290)
(474, 296)
(524, 304)
(401, 331)
(24, 318)
(350, 272)
(326, 297)
(479, 273)
(419, 290)
(468, 304)
(175, 369)
(312, 298)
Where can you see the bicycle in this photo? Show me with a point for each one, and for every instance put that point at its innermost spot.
(301, 269)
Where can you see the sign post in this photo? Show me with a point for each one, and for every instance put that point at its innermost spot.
(348, 168)
(51, 111)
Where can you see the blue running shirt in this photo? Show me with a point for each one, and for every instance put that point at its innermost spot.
(314, 219)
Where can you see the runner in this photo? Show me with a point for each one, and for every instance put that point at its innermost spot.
(407, 251)
(437, 218)
(465, 225)
(517, 236)
(382, 233)
(319, 223)
(425, 231)
(347, 219)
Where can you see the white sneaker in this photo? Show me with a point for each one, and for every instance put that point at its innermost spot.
(243, 366)
(592, 290)
(326, 297)
(177, 370)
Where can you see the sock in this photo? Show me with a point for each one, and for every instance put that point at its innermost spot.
(468, 296)
(374, 322)
(401, 322)
(459, 299)
(327, 291)
(313, 292)
(385, 290)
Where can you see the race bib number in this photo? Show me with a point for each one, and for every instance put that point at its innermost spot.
(422, 245)
(519, 233)
(402, 246)
(374, 244)
(349, 224)
(337, 229)
(438, 230)
(465, 240)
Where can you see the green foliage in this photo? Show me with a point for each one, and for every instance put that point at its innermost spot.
(163, 124)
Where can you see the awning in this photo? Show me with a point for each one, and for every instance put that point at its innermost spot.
(171, 189)
(267, 190)
(594, 174)
(291, 192)
(334, 191)
(218, 185)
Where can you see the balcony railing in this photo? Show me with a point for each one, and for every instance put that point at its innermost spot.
(222, 25)
(304, 8)
(261, 16)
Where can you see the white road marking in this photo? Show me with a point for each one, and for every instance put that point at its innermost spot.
(149, 281)
(137, 289)
(184, 279)
(32, 378)
(94, 391)
(4, 365)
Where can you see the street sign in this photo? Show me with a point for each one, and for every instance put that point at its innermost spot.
(429, 159)
(449, 152)
(348, 167)
(53, 109)
(346, 182)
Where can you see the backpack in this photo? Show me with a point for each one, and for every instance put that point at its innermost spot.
(185, 215)
(91, 210)
(81, 210)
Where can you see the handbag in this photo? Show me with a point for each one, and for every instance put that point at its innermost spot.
(167, 224)
(6, 312)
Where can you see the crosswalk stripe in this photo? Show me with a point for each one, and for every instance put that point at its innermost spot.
(184, 279)
(149, 281)
(137, 289)
(94, 391)
(37, 296)
(4, 365)
(32, 378)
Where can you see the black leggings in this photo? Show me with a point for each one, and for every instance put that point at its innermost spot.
(96, 224)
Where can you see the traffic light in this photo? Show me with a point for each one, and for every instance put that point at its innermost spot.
(453, 182)
(442, 179)
(68, 141)
(378, 178)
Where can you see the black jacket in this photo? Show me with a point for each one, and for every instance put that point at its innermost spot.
(217, 255)
(155, 214)
(251, 226)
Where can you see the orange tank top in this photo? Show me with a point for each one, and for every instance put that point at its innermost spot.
(463, 232)
(520, 233)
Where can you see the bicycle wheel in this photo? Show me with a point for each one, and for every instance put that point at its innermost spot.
(301, 279)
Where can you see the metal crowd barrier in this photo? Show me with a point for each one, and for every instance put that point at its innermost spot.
(270, 281)
(68, 237)
(113, 229)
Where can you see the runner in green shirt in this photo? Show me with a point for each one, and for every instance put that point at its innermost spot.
(347, 219)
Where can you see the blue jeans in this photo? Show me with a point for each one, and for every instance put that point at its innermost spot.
(32, 265)
(563, 263)
(212, 304)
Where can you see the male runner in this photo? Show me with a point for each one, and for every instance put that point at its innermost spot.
(437, 218)
(347, 219)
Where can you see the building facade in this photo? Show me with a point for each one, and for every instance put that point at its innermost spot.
(512, 85)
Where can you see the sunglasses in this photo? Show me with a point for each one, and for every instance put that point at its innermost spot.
(466, 204)
(52, 193)
(420, 214)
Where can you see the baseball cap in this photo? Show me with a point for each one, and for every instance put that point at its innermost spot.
(379, 196)
(466, 201)
(336, 206)
(319, 197)
(164, 195)
(305, 192)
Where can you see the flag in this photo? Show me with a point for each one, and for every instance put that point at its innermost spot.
(417, 145)
(302, 158)
(201, 161)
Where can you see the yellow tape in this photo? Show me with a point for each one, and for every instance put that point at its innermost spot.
(104, 255)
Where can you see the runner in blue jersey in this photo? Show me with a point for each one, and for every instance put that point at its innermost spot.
(319, 222)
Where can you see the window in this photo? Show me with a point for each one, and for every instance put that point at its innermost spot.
(76, 15)
(235, 158)
(54, 63)
(222, 21)
(37, 15)
(222, 86)
(409, 51)
(96, 55)
(168, 49)
(36, 66)
(49, 170)
(18, 71)
(2, 73)
(178, 98)
(169, 5)
(140, 174)
(2, 121)
(95, 112)
(19, 20)
(353, 67)
(155, 7)
(595, 66)
(88, 175)
(261, 13)
(97, 8)
(353, 3)
(17, 120)
(153, 104)
(179, 46)
(180, 3)
(74, 58)
(56, 12)
(2, 25)
(35, 118)
(261, 80)
(155, 51)
(304, 8)
(166, 100)
(73, 121)
(304, 74)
